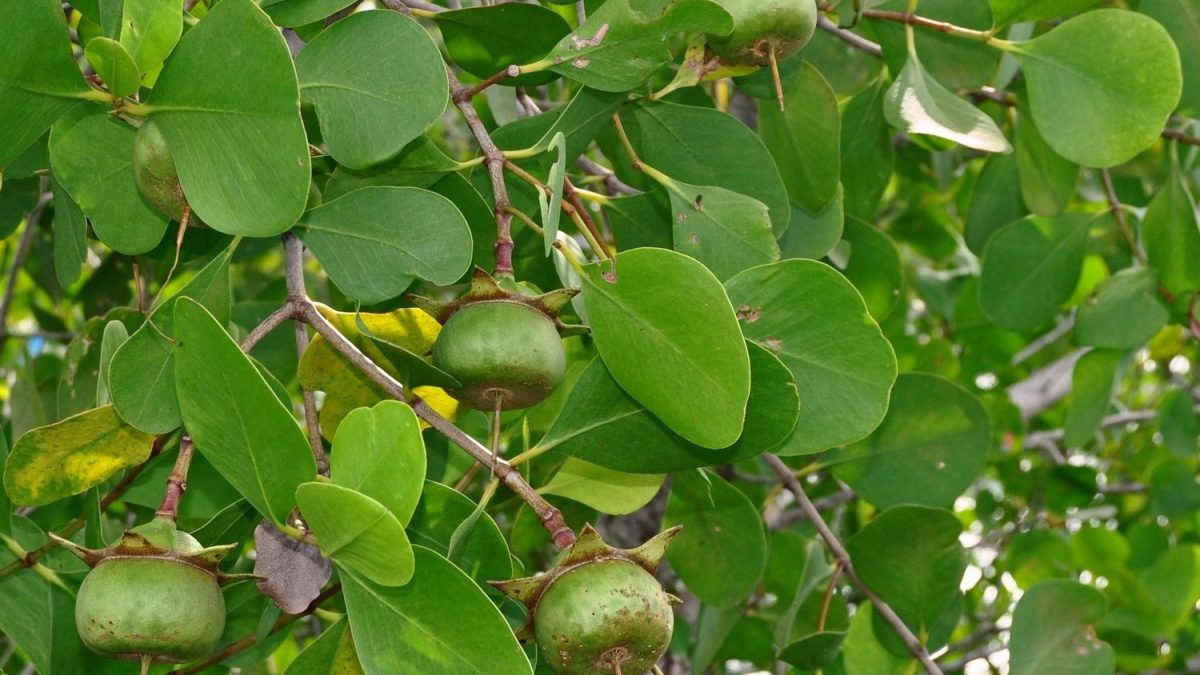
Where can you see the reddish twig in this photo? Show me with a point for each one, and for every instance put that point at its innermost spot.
(177, 481)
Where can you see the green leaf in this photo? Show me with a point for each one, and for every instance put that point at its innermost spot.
(39, 80)
(862, 653)
(1006, 12)
(721, 551)
(92, 155)
(1179, 423)
(114, 65)
(481, 39)
(923, 542)
(1171, 235)
(620, 45)
(332, 652)
(813, 235)
(1030, 268)
(703, 146)
(293, 13)
(727, 231)
(1092, 383)
(233, 416)
(873, 266)
(992, 205)
(1181, 18)
(6, 507)
(370, 109)
(482, 552)
(551, 206)
(814, 651)
(607, 491)
(150, 29)
(601, 424)
(440, 623)
(1047, 179)
(1101, 85)
(663, 324)
(1125, 313)
(380, 453)
(142, 374)
(805, 140)
(817, 324)
(115, 335)
(1053, 630)
(65, 458)
(919, 104)
(867, 152)
(931, 446)
(227, 104)
(408, 232)
(70, 236)
(359, 534)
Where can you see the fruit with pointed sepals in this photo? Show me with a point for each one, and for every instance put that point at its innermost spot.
(154, 595)
(503, 345)
(601, 610)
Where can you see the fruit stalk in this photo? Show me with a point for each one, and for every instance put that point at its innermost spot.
(177, 481)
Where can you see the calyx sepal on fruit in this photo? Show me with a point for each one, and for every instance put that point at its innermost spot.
(486, 288)
(159, 538)
(588, 548)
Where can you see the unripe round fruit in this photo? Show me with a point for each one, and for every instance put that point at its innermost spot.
(763, 26)
(498, 348)
(600, 614)
(149, 605)
(155, 173)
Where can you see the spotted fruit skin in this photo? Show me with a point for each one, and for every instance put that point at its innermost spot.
(601, 614)
(155, 173)
(760, 26)
(501, 348)
(130, 606)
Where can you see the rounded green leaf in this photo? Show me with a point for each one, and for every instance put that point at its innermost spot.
(721, 551)
(227, 103)
(481, 39)
(65, 458)
(440, 623)
(358, 533)
(725, 230)
(1181, 18)
(39, 79)
(92, 155)
(294, 13)
(805, 138)
(1101, 85)
(114, 65)
(817, 324)
(931, 446)
(370, 109)
(910, 557)
(379, 452)
(1053, 630)
(1125, 313)
(1047, 179)
(1171, 235)
(407, 232)
(1030, 268)
(607, 491)
(234, 417)
(663, 324)
(872, 264)
(1092, 384)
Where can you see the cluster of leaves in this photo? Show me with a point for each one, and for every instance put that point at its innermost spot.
(953, 284)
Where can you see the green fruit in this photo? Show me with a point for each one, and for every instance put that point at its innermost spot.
(154, 606)
(154, 171)
(500, 349)
(601, 616)
(761, 27)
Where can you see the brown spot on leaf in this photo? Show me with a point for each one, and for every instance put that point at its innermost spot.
(774, 344)
(580, 43)
(749, 314)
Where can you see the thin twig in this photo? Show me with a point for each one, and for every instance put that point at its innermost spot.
(176, 481)
(1118, 212)
(250, 640)
(23, 246)
(1053, 436)
(273, 321)
(614, 184)
(294, 272)
(851, 38)
(1181, 137)
(467, 93)
(843, 557)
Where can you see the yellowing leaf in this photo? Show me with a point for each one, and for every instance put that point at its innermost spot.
(65, 458)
